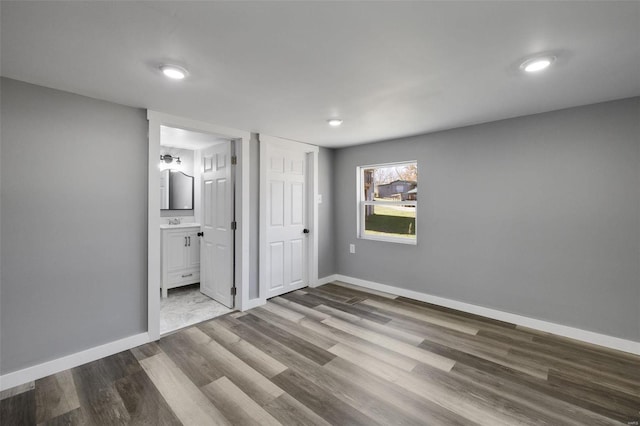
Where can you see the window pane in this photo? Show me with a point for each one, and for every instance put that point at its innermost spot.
(397, 182)
(396, 221)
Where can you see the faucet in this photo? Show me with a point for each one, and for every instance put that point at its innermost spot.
(176, 221)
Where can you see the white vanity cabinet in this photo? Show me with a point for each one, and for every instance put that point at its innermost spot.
(180, 256)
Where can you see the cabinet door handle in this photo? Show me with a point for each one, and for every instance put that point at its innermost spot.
(189, 237)
(185, 241)
(186, 275)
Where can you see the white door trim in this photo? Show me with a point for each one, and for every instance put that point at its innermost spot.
(157, 119)
(312, 204)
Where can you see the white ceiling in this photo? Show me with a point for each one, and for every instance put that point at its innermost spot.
(389, 69)
(187, 139)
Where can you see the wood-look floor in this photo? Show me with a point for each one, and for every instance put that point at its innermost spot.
(337, 355)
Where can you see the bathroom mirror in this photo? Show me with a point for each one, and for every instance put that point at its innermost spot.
(176, 190)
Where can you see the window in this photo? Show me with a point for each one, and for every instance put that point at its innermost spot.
(387, 202)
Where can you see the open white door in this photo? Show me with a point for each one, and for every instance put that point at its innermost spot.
(284, 216)
(216, 254)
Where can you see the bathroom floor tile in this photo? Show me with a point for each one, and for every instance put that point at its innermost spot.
(186, 306)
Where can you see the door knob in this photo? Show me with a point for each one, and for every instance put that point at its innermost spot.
(306, 231)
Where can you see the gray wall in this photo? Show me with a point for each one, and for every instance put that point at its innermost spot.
(326, 237)
(74, 225)
(539, 216)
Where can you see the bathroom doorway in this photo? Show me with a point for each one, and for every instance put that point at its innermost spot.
(196, 235)
(195, 270)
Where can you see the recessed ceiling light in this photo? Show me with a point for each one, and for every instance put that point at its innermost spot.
(174, 72)
(537, 64)
(334, 122)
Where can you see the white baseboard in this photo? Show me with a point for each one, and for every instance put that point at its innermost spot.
(549, 327)
(254, 303)
(325, 280)
(39, 371)
(45, 369)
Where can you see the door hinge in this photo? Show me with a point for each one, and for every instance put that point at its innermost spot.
(233, 291)
(234, 160)
(234, 225)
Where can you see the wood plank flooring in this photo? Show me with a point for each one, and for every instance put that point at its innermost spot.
(339, 355)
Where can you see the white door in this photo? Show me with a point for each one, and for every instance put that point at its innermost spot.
(216, 254)
(284, 254)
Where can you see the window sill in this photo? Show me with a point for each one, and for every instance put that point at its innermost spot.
(408, 241)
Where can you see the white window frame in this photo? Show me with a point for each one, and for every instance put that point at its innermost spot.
(361, 203)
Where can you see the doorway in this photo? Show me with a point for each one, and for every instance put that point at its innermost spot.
(203, 269)
(196, 233)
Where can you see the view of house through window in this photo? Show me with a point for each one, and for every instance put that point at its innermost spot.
(388, 195)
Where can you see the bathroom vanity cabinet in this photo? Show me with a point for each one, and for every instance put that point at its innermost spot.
(180, 256)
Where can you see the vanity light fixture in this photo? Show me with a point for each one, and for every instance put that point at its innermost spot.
(334, 122)
(173, 72)
(168, 158)
(537, 63)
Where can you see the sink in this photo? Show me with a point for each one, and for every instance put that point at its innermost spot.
(180, 225)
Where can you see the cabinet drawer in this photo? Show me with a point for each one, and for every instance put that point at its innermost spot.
(183, 277)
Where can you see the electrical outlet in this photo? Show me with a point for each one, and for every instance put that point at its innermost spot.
(352, 248)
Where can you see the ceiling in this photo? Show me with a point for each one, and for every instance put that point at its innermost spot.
(187, 139)
(389, 69)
